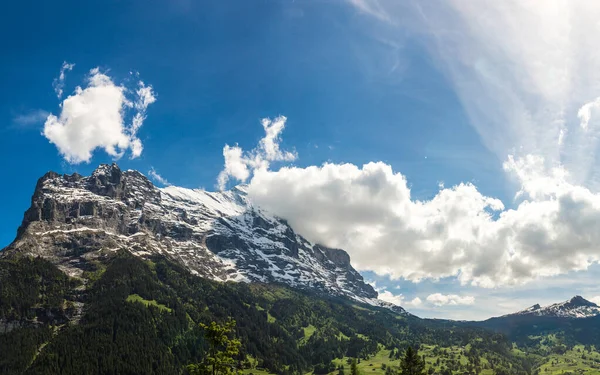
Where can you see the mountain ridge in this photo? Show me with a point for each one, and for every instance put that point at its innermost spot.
(74, 220)
(576, 307)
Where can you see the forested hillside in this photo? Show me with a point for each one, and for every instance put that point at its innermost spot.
(129, 315)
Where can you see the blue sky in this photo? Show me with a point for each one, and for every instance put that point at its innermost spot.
(359, 81)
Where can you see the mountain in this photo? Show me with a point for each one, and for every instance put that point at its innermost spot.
(577, 307)
(74, 221)
(140, 315)
(572, 322)
(109, 274)
(111, 264)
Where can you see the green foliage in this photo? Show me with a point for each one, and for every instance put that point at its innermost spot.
(412, 364)
(145, 302)
(354, 367)
(146, 316)
(32, 291)
(324, 368)
(20, 346)
(220, 359)
(32, 288)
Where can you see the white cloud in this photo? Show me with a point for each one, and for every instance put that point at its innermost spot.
(270, 143)
(236, 166)
(387, 296)
(157, 177)
(371, 7)
(585, 113)
(523, 71)
(59, 82)
(595, 300)
(438, 299)
(396, 299)
(30, 118)
(526, 74)
(95, 117)
(459, 233)
(240, 165)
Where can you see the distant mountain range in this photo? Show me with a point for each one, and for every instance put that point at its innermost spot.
(575, 321)
(577, 307)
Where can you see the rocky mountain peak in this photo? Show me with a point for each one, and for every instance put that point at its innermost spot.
(579, 301)
(106, 180)
(576, 307)
(74, 220)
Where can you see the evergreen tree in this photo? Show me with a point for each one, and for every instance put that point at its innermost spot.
(354, 367)
(219, 359)
(412, 364)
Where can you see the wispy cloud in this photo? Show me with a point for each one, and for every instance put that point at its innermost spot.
(524, 71)
(157, 177)
(240, 165)
(30, 118)
(59, 82)
(373, 8)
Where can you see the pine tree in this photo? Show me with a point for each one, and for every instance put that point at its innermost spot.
(354, 368)
(219, 359)
(412, 364)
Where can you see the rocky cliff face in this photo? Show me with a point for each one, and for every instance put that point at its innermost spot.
(74, 220)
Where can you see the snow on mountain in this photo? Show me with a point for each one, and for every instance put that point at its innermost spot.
(576, 307)
(75, 221)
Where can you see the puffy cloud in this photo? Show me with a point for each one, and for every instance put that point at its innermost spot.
(236, 166)
(459, 233)
(240, 165)
(387, 296)
(595, 300)
(396, 299)
(59, 83)
(269, 145)
(157, 177)
(438, 299)
(526, 74)
(95, 117)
